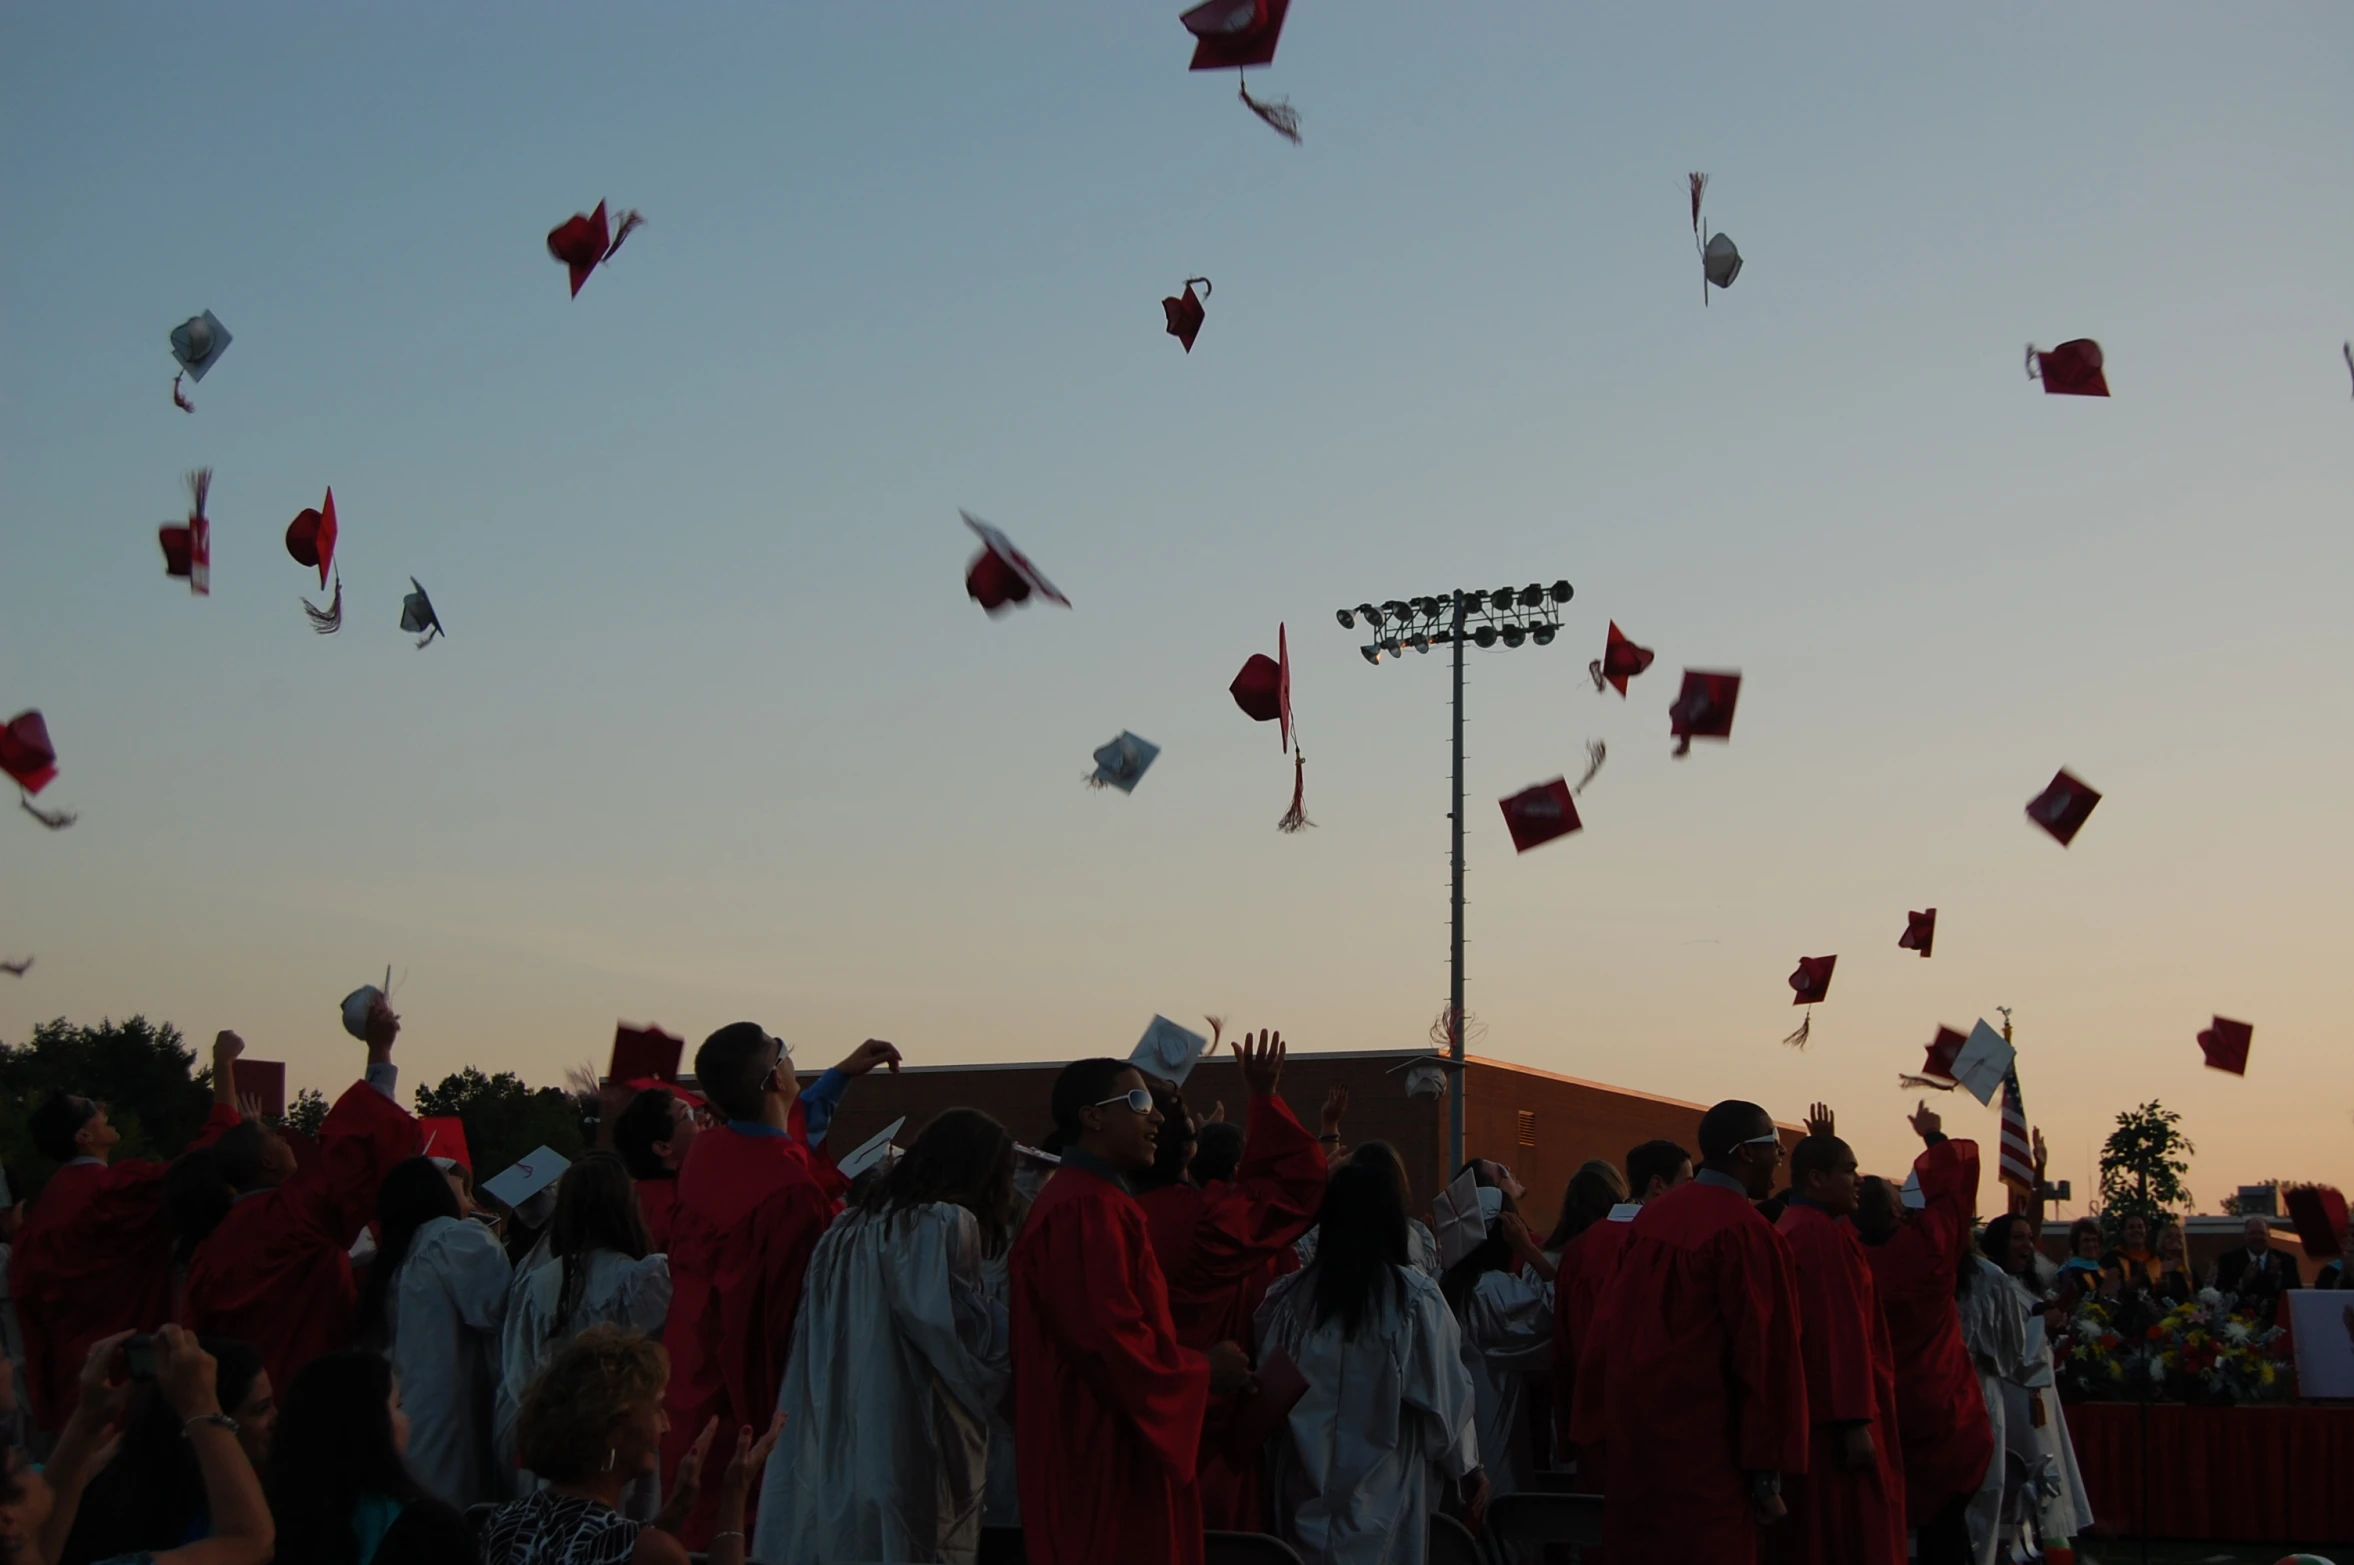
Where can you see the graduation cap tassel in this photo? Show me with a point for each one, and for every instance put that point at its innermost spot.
(1296, 818)
(200, 484)
(329, 620)
(2031, 375)
(1596, 753)
(2350, 358)
(1910, 1083)
(1806, 1030)
(629, 220)
(179, 399)
(1699, 243)
(55, 820)
(1280, 116)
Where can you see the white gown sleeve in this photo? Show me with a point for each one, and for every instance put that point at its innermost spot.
(476, 1268)
(1433, 1381)
(645, 1295)
(1509, 1319)
(939, 1258)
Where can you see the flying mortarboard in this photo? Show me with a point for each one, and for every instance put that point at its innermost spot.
(1703, 709)
(1720, 259)
(583, 244)
(310, 539)
(644, 1052)
(188, 546)
(17, 969)
(1167, 1049)
(2073, 369)
(1001, 574)
(1538, 815)
(1809, 985)
(1185, 312)
(1982, 1062)
(198, 343)
(445, 1141)
(1235, 35)
(1263, 691)
(1426, 1074)
(1938, 1066)
(1621, 660)
(30, 761)
(1122, 763)
(2320, 1215)
(2063, 807)
(417, 615)
(874, 1149)
(1464, 1210)
(360, 1003)
(2226, 1045)
(264, 1081)
(531, 1173)
(2349, 351)
(1920, 932)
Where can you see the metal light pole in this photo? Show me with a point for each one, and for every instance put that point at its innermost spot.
(1512, 616)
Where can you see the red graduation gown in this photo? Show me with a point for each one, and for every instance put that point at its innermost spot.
(1691, 1375)
(750, 1210)
(1108, 1404)
(1941, 1416)
(658, 1205)
(93, 1257)
(277, 1271)
(1839, 1515)
(1219, 1247)
(1587, 1265)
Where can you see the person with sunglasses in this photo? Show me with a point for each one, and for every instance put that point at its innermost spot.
(1108, 1403)
(1691, 1371)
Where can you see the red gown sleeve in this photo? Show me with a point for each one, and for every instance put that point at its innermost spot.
(1112, 1325)
(1767, 1377)
(366, 1133)
(1948, 1173)
(1274, 1197)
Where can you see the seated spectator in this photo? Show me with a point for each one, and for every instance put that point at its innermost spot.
(2256, 1272)
(2080, 1274)
(152, 1496)
(340, 1483)
(592, 1424)
(39, 1505)
(2133, 1259)
(2178, 1280)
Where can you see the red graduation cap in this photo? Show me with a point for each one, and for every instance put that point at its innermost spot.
(644, 1053)
(2226, 1046)
(1937, 1066)
(1263, 691)
(188, 546)
(1809, 984)
(1002, 574)
(1538, 815)
(1185, 312)
(583, 244)
(1621, 660)
(445, 1136)
(310, 539)
(264, 1081)
(2073, 369)
(1236, 34)
(1920, 932)
(2320, 1215)
(2063, 807)
(1703, 709)
(30, 761)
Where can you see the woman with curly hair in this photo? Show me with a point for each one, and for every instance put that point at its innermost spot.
(592, 1424)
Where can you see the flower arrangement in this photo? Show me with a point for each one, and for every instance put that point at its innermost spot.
(2205, 1350)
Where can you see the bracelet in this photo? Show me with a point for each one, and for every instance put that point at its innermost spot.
(217, 1420)
(717, 1536)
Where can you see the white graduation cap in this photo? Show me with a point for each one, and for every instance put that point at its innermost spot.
(1167, 1049)
(1983, 1062)
(1123, 763)
(874, 1149)
(1720, 261)
(1426, 1074)
(198, 343)
(417, 614)
(533, 1172)
(361, 1001)
(1464, 1210)
(1038, 1155)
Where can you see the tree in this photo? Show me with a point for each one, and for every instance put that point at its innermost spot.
(2142, 1164)
(505, 1119)
(142, 1073)
(308, 1112)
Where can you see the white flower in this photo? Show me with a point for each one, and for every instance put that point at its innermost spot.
(2211, 1297)
(2236, 1330)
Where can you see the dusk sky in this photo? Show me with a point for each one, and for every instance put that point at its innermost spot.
(716, 733)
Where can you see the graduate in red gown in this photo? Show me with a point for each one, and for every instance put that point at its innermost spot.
(1915, 1255)
(1108, 1404)
(1587, 1264)
(1220, 1245)
(1847, 1508)
(1691, 1372)
(653, 1132)
(754, 1196)
(275, 1268)
(93, 1255)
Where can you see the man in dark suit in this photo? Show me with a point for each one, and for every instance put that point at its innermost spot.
(2259, 1274)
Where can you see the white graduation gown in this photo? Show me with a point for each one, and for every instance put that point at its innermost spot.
(442, 1316)
(2054, 1488)
(1996, 1336)
(1507, 1337)
(1384, 1418)
(898, 1354)
(618, 1291)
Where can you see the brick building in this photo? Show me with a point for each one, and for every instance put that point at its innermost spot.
(1539, 1124)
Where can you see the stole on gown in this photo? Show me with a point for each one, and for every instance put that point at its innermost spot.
(1691, 1374)
(277, 1271)
(1108, 1404)
(92, 1257)
(1841, 1515)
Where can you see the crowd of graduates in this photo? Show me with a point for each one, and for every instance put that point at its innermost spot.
(1158, 1323)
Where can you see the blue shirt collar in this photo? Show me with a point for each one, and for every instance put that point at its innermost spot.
(756, 1127)
(1090, 1163)
(1722, 1181)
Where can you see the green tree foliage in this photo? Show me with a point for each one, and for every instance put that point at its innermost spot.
(2142, 1164)
(142, 1073)
(307, 1112)
(504, 1118)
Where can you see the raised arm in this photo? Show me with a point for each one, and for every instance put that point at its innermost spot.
(242, 1531)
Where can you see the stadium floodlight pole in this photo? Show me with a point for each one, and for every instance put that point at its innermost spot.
(1513, 616)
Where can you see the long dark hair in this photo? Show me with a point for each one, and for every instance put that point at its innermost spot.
(963, 1157)
(1994, 1242)
(1173, 1148)
(196, 1196)
(412, 1195)
(1593, 1190)
(333, 1445)
(1381, 1155)
(1493, 1254)
(147, 1497)
(1360, 1245)
(596, 1209)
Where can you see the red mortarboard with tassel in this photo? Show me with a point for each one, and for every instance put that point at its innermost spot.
(1538, 815)
(2063, 807)
(2073, 369)
(1720, 258)
(188, 546)
(1810, 984)
(1920, 932)
(1703, 709)
(310, 539)
(1937, 1066)
(583, 244)
(30, 761)
(444, 1136)
(1621, 660)
(1263, 691)
(1185, 312)
(1235, 35)
(2226, 1045)
(1002, 575)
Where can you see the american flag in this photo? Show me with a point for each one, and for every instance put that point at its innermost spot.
(2018, 1165)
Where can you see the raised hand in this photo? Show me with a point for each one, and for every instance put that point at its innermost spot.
(185, 1374)
(868, 1055)
(227, 1046)
(1336, 1104)
(686, 1484)
(1925, 1122)
(1217, 1113)
(750, 1455)
(1261, 1061)
(1819, 1121)
(2042, 1157)
(1474, 1489)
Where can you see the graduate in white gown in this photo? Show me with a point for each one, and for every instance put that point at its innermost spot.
(1506, 1316)
(1389, 1412)
(2043, 1483)
(898, 1355)
(1422, 1248)
(597, 1273)
(433, 1302)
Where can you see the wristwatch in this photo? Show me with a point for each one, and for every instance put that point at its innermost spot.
(218, 1420)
